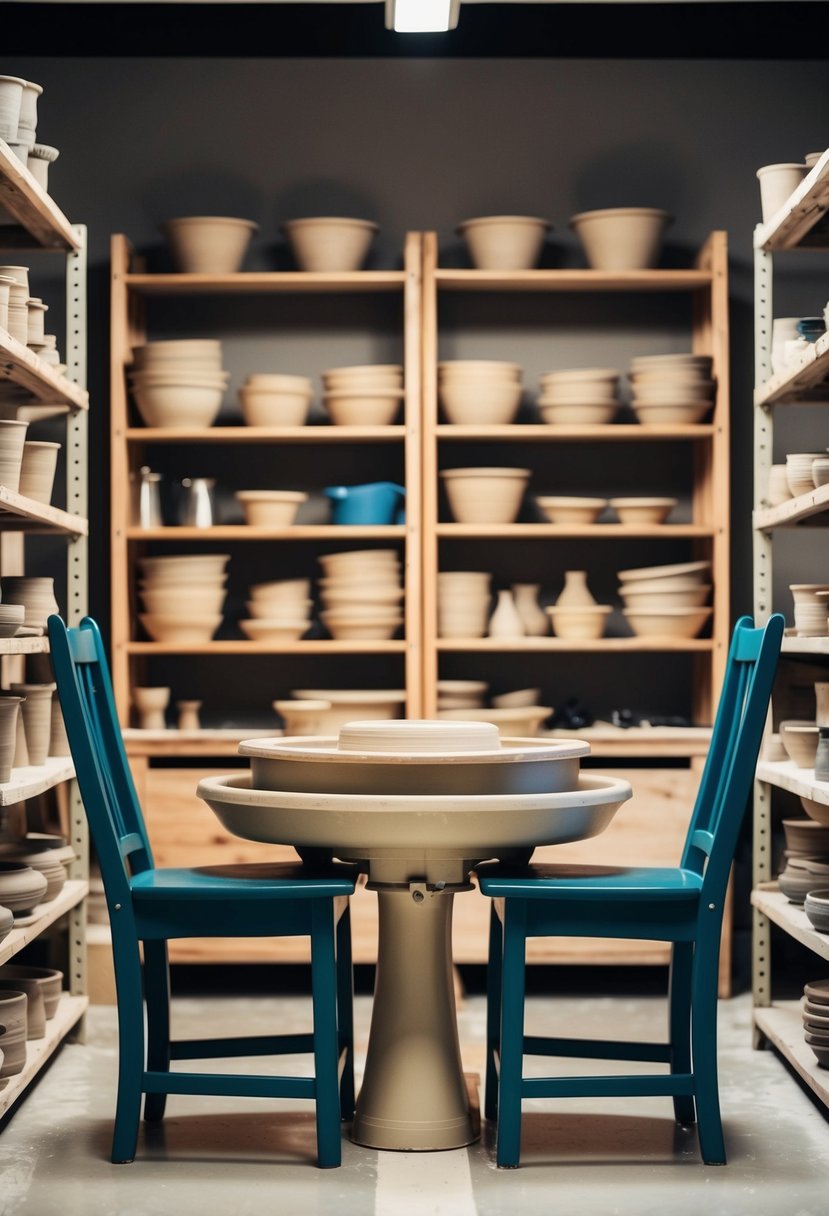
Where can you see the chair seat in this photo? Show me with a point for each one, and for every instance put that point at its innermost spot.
(255, 881)
(579, 883)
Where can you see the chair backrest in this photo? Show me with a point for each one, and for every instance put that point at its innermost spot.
(728, 776)
(103, 774)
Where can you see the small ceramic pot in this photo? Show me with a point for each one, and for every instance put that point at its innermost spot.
(575, 593)
(48, 979)
(21, 887)
(12, 438)
(777, 183)
(9, 708)
(39, 158)
(27, 123)
(188, 715)
(36, 593)
(37, 470)
(11, 98)
(37, 718)
(150, 703)
(13, 1016)
(533, 617)
(504, 242)
(36, 321)
(35, 1008)
(621, 238)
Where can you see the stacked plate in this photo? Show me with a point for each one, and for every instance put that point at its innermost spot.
(361, 592)
(799, 471)
(666, 601)
(364, 395)
(279, 611)
(671, 388)
(811, 609)
(183, 596)
(179, 383)
(463, 603)
(816, 1019)
(479, 392)
(275, 399)
(584, 395)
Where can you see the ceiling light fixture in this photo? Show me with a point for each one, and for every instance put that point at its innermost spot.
(421, 16)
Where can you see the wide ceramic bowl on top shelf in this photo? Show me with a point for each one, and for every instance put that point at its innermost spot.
(275, 399)
(330, 244)
(208, 244)
(485, 495)
(621, 238)
(504, 242)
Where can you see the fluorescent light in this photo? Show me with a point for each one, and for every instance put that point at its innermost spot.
(421, 16)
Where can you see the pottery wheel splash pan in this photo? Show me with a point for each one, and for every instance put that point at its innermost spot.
(414, 757)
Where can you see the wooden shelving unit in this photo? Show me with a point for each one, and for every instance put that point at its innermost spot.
(800, 223)
(42, 226)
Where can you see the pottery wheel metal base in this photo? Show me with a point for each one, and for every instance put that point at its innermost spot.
(418, 848)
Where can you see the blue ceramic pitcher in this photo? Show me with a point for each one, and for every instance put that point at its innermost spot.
(376, 502)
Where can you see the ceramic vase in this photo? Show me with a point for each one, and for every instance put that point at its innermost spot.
(37, 719)
(58, 741)
(37, 470)
(533, 617)
(151, 704)
(11, 98)
(575, 593)
(12, 438)
(188, 715)
(9, 707)
(505, 621)
(822, 703)
(13, 1006)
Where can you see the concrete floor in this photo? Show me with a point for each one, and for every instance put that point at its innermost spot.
(242, 1157)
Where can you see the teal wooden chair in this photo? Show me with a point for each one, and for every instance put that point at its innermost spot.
(682, 906)
(149, 906)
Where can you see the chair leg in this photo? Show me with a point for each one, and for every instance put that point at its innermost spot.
(508, 1139)
(130, 1048)
(345, 1013)
(493, 1014)
(679, 1024)
(324, 997)
(157, 997)
(704, 1048)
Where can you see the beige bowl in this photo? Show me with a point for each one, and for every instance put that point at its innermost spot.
(281, 589)
(265, 630)
(818, 811)
(664, 392)
(518, 699)
(677, 414)
(516, 720)
(208, 244)
(284, 381)
(359, 630)
(178, 406)
(578, 413)
(800, 740)
(579, 375)
(271, 508)
(808, 593)
(643, 510)
(573, 392)
(214, 563)
(353, 705)
(621, 238)
(330, 244)
(668, 596)
(302, 717)
(485, 495)
(371, 595)
(275, 610)
(188, 628)
(208, 599)
(480, 402)
(583, 623)
(274, 407)
(362, 407)
(667, 622)
(504, 242)
(466, 368)
(569, 510)
(688, 572)
(365, 372)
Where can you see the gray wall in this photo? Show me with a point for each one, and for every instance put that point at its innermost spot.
(423, 144)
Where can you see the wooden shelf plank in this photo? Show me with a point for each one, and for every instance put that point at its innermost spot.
(31, 206)
(609, 531)
(791, 512)
(599, 646)
(69, 1012)
(769, 900)
(782, 1025)
(220, 532)
(34, 779)
(801, 381)
(795, 645)
(313, 646)
(786, 775)
(27, 928)
(572, 280)
(801, 219)
(267, 434)
(32, 516)
(652, 741)
(533, 432)
(39, 645)
(267, 282)
(22, 366)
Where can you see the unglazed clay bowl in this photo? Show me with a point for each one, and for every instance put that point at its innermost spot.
(800, 740)
(48, 979)
(369, 628)
(173, 406)
(504, 242)
(208, 244)
(353, 704)
(479, 401)
(635, 599)
(621, 238)
(819, 811)
(416, 757)
(280, 590)
(584, 622)
(362, 407)
(577, 413)
(264, 630)
(523, 721)
(643, 510)
(689, 572)
(567, 509)
(816, 907)
(274, 406)
(808, 837)
(330, 244)
(160, 602)
(271, 508)
(671, 414)
(302, 717)
(465, 368)
(667, 622)
(519, 698)
(21, 887)
(187, 629)
(485, 495)
(277, 610)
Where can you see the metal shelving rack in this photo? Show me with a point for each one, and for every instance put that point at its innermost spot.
(800, 224)
(41, 227)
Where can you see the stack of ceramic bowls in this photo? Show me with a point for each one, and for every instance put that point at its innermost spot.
(579, 396)
(36, 594)
(183, 596)
(799, 471)
(461, 694)
(485, 495)
(463, 603)
(666, 601)
(479, 392)
(279, 611)
(811, 609)
(361, 594)
(274, 399)
(179, 383)
(670, 389)
(820, 471)
(363, 396)
(806, 859)
(816, 1019)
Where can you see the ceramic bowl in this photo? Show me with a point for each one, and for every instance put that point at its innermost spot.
(817, 992)
(799, 471)
(362, 407)
(461, 694)
(274, 406)
(261, 629)
(356, 629)
(271, 508)
(581, 623)
(273, 610)
(517, 699)
(572, 392)
(795, 883)
(302, 717)
(676, 414)
(186, 629)
(820, 471)
(693, 596)
(806, 837)
(281, 590)
(647, 389)
(352, 705)
(504, 242)
(667, 622)
(203, 244)
(581, 375)
(512, 721)
(800, 740)
(329, 244)
(178, 406)
(485, 495)
(816, 907)
(571, 510)
(21, 887)
(163, 602)
(621, 238)
(577, 413)
(819, 811)
(484, 402)
(470, 368)
(688, 572)
(643, 510)
(808, 593)
(49, 981)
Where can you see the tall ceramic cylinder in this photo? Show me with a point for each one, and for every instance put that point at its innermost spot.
(37, 470)
(534, 618)
(12, 438)
(822, 703)
(37, 719)
(9, 707)
(575, 593)
(188, 715)
(13, 1007)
